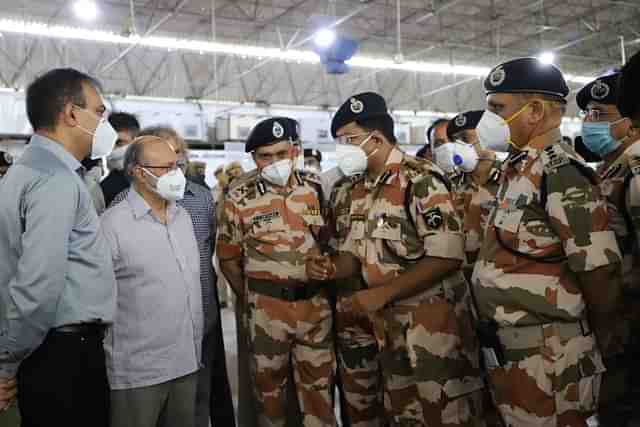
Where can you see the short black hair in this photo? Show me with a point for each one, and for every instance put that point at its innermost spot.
(434, 125)
(382, 123)
(49, 93)
(122, 121)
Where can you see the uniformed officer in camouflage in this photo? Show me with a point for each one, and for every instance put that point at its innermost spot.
(406, 239)
(547, 273)
(272, 220)
(610, 136)
(475, 173)
(355, 341)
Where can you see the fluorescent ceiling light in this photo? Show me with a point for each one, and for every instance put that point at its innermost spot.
(247, 51)
(85, 9)
(547, 57)
(324, 38)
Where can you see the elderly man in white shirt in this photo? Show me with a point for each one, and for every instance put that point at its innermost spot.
(154, 348)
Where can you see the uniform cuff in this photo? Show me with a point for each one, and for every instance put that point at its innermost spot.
(226, 251)
(445, 245)
(603, 250)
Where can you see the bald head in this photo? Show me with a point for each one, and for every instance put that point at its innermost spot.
(153, 153)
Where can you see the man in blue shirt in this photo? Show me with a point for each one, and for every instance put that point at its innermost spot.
(57, 286)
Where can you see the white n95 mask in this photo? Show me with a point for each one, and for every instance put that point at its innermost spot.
(278, 173)
(352, 160)
(169, 186)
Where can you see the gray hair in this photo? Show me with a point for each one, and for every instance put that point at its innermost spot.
(133, 157)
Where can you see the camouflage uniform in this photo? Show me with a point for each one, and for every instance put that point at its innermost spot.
(428, 357)
(478, 202)
(356, 345)
(552, 367)
(621, 187)
(273, 229)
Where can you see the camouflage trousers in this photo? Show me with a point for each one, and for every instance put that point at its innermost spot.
(299, 332)
(427, 379)
(556, 385)
(358, 366)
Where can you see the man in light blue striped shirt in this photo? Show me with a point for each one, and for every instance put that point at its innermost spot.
(154, 347)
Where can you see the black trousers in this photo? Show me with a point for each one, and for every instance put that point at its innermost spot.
(64, 382)
(222, 412)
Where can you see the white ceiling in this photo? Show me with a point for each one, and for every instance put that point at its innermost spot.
(583, 33)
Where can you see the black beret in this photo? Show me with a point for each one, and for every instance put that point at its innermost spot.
(271, 131)
(5, 159)
(463, 121)
(309, 152)
(526, 75)
(362, 106)
(603, 89)
(629, 91)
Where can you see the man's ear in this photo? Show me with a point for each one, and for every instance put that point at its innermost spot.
(68, 115)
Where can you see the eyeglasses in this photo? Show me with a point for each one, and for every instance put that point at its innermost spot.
(594, 115)
(346, 139)
(166, 168)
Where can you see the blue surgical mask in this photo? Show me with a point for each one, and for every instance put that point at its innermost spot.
(596, 136)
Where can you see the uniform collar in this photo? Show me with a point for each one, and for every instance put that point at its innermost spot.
(534, 149)
(57, 150)
(391, 168)
(622, 162)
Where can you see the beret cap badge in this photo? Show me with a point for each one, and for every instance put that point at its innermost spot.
(277, 130)
(600, 90)
(461, 120)
(357, 106)
(497, 77)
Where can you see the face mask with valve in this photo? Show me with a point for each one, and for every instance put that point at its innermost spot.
(493, 131)
(169, 186)
(456, 156)
(352, 160)
(278, 173)
(597, 137)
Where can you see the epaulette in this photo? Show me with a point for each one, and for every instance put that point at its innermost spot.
(243, 186)
(310, 177)
(416, 169)
(634, 165)
(495, 173)
(554, 157)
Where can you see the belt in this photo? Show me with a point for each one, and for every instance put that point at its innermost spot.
(525, 337)
(82, 328)
(289, 291)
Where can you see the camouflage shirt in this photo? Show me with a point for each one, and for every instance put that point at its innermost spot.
(478, 206)
(380, 232)
(516, 290)
(624, 208)
(272, 228)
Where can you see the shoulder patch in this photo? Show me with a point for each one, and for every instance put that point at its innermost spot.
(242, 187)
(554, 157)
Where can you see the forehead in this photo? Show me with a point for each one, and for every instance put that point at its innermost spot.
(158, 150)
(349, 129)
(440, 129)
(465, 133)
(603, 107)
(274, 148)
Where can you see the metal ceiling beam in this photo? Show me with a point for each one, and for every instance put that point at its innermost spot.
(147, 33)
